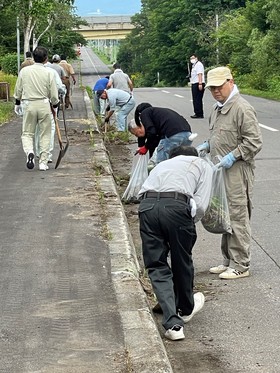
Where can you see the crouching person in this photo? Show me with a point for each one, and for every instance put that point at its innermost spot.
(173, 197)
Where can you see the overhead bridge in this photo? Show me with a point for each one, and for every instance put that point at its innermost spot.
(106, 27)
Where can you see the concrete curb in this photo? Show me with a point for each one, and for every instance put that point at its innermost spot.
(146, 351)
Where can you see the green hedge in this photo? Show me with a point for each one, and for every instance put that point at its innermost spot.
(8, 64)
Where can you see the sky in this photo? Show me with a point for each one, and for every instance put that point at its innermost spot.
(87, 8)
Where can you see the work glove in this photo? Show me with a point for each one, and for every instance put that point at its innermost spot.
(106, 120)
(62, 90)
(74, 81)
(192, 136)
(18, 110)
(202, 149)
(227, 161)
(142, 151)
(193, 207)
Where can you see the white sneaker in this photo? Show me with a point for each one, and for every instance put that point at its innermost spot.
(199, 300)
(231, 274)
(219, 269)
(175, 333)
(30, 162)
(43, 166)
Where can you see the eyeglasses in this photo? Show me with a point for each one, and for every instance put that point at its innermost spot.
(219, 88)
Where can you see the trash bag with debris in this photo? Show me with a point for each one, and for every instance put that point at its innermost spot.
(139, 174)
(216, 218)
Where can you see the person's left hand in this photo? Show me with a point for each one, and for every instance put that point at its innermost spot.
(227, 161)
(18, 110)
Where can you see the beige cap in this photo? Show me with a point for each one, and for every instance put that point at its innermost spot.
(218, 76)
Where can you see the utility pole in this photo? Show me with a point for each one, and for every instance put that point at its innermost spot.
(217, 39)
(18, 45)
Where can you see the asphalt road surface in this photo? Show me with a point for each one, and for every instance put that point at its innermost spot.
(239, 325)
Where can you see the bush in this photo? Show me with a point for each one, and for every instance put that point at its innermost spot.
(8, 64)
(273, 84)
(254, 81)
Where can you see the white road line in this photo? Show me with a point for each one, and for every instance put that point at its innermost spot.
(179, 96)
(268, 128)
(165, 91)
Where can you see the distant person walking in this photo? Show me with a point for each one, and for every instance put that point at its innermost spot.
(28, 60)
(70, 74)
(55, 65)
(120, 80)
(197, 86)
(34, 91)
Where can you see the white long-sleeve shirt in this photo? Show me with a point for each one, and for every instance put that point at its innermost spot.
(183, 174)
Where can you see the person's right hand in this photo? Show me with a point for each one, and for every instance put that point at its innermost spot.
(18, 110)
(202, 149)
(142, 151)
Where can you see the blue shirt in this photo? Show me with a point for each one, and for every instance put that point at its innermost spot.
(100, 84)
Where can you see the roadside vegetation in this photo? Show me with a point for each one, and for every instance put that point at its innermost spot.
(242, 34)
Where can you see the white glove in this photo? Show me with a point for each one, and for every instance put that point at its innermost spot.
(192, 136)
(18, 110)
(62, 90)
(193, 207)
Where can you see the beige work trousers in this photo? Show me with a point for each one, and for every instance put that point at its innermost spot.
(236, 247)
(36, 113)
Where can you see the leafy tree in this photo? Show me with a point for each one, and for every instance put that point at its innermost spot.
(167, 33)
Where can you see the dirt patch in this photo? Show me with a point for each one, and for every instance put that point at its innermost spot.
(198, 354)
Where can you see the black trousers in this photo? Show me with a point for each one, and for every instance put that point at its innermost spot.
(166, 226)
(197, 97)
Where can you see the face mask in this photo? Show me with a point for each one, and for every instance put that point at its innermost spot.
(193, 60)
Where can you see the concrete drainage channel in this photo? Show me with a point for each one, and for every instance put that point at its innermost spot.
(143, 342)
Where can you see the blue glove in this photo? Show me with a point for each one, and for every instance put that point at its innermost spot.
(204, 148)
(227, 161)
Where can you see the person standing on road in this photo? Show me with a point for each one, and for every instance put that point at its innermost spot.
(36, 89)
(197, 86)
(28, 60)
(235, 137)
(70, 73)
(118, 100)
(120, 80)
(99, 105)
(173, 197)
(160, 128)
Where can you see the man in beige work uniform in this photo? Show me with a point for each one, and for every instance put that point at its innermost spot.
(34, 91)
(69, 71)
(235, 137)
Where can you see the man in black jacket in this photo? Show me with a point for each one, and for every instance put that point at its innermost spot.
(160, 128)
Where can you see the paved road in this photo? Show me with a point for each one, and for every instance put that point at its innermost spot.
(60, 310)
(69, 299)
(239, 328)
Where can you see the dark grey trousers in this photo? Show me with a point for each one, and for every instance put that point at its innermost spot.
(166, 226)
